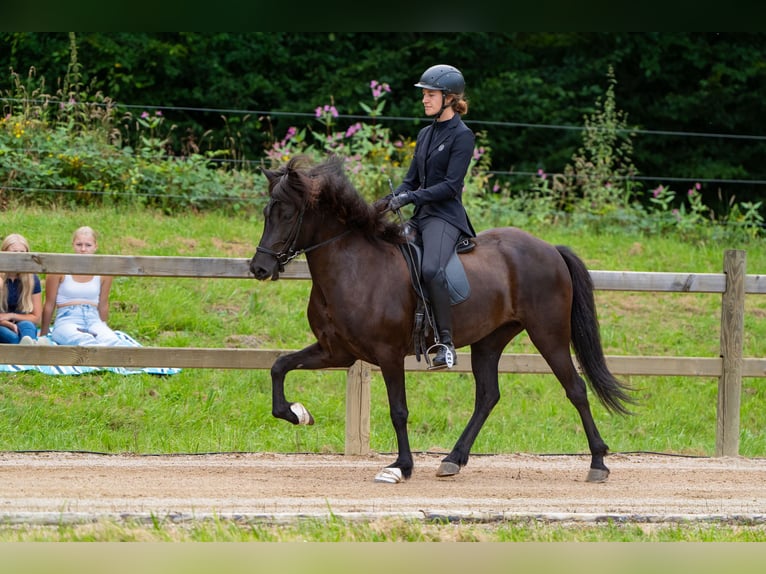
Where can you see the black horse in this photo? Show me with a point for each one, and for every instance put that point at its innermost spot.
(362, 305)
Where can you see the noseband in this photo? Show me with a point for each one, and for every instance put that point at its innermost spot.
(286, 255)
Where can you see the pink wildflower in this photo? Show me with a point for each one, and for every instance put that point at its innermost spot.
(378, 88)
(353, 129)
(697, 187)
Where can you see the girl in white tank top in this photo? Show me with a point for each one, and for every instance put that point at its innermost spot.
(70, 291)
(81, 308)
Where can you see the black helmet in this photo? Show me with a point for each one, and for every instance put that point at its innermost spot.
(447, 79)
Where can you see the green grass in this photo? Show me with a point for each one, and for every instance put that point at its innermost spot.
(202, 410)
(229, 410)
(381, 530)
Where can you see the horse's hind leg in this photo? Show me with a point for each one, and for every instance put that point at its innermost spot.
(311, 357)
(485, 357)
(554, 347)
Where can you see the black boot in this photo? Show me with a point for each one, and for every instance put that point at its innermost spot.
(440, 305)
(445, 355)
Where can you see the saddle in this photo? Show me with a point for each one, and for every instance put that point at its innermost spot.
(457, 284)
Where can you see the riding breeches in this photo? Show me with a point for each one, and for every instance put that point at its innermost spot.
(438, 239)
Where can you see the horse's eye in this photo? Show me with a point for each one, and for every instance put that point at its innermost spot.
(282, 211)
(271, 206)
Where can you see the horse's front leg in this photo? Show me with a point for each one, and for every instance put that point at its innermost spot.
(401, 469)
(312, 357)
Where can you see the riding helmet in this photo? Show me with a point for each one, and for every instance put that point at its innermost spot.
(447, 79)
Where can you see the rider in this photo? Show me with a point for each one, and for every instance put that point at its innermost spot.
(434, 183)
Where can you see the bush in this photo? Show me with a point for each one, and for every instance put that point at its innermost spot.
(67, 150)
(73, 148)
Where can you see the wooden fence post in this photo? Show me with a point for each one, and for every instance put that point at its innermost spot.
(358, 409)
(732, 335)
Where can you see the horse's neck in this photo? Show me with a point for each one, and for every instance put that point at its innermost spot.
(354, 280)
(351, 256)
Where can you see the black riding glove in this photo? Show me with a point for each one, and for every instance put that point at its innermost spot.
(400, 200)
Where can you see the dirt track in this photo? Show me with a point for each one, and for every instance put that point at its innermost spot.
(66, 487)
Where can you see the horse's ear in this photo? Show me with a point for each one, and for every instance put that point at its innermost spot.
(270, 174)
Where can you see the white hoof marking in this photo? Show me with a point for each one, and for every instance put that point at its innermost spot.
(389, 475)
(300, 411)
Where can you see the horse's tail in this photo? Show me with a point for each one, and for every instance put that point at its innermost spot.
(586, 338)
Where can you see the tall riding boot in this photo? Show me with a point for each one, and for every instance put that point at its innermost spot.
(440, 305)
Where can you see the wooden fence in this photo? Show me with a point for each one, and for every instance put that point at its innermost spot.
(730, 367)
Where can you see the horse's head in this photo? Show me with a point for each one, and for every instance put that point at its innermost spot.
(311, 206)
(283, 216)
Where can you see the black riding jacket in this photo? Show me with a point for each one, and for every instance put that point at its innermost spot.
(443, 152)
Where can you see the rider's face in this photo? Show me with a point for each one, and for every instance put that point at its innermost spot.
(432, 101)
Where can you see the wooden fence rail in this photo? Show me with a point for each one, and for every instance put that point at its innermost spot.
(730, 367)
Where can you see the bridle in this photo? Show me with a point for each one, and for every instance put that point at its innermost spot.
(289, 253)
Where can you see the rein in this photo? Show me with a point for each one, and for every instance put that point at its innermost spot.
(284, 257)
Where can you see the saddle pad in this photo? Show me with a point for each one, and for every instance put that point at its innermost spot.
(457, 281)
(459, 288)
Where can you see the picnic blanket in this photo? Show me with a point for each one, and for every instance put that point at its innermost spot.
(125, 340)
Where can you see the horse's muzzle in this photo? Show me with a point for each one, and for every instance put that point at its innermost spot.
(264, 270)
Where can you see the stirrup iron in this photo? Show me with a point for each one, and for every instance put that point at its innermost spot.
(449, 357)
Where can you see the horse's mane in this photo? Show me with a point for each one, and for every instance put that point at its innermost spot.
(326, 185)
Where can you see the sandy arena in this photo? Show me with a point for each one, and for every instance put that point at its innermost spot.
(54, 488)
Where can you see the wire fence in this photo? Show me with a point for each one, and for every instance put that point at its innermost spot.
(250, 163)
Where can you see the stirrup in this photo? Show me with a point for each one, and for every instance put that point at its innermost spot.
(450, 358)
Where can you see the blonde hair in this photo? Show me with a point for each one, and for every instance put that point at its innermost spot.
(85, 230)
(27, 279)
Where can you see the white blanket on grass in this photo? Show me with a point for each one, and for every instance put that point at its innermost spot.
(125, 340)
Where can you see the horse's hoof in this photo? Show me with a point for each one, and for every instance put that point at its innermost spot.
(304, 416)
(597, 475)
(390, 475)
(447, 468)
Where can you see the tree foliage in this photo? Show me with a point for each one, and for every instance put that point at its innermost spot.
(527, 91)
